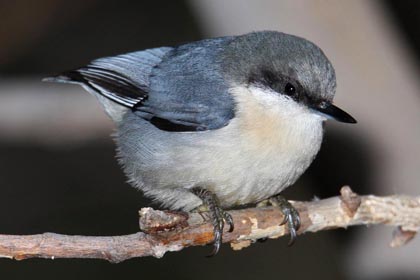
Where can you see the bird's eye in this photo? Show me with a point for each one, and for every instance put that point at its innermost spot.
(289, 89)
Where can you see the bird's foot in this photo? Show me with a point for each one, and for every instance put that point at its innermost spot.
(291, 216)
(218, 216)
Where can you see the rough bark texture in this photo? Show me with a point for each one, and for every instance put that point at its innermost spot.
(165, 231)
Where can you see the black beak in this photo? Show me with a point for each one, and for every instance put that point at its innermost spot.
(334, 112)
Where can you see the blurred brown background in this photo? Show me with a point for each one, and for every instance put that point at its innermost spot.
(57, 167)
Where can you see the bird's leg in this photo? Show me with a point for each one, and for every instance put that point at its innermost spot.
(291, 216)
(218, 216)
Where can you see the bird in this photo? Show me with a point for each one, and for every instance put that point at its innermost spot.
(217, 123)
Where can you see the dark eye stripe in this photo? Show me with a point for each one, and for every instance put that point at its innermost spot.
(278, 83)
(283, 85)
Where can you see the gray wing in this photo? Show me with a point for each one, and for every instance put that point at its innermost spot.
(188, 90)
(175, 89)
(123, 79)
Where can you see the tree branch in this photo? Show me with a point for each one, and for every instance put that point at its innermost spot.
(165, 231)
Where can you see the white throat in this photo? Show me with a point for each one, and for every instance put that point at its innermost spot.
(266, 115)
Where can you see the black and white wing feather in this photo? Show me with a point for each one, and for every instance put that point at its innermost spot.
(175, 89)
(123, 79)
(112, 85)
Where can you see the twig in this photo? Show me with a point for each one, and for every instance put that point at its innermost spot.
(165, 231)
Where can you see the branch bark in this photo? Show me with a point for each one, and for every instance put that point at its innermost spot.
(165, 231)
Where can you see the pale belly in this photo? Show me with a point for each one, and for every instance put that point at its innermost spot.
(238, 168)
(240, 171)
(264, 149)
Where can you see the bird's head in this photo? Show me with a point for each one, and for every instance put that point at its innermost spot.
(284, 70)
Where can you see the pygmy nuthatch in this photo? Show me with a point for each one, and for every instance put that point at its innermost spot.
(221, 122)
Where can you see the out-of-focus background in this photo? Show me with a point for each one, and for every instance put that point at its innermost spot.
(57, 167)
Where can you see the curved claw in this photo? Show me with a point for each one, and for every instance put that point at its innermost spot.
(228, 219)
(216, 243)
(218, 216)
(292, 237)
(218, 226)
(297, 220)
(291, 218)
(292, 229)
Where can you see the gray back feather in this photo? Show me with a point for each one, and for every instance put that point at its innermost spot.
(188, 87)
(136, 66)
